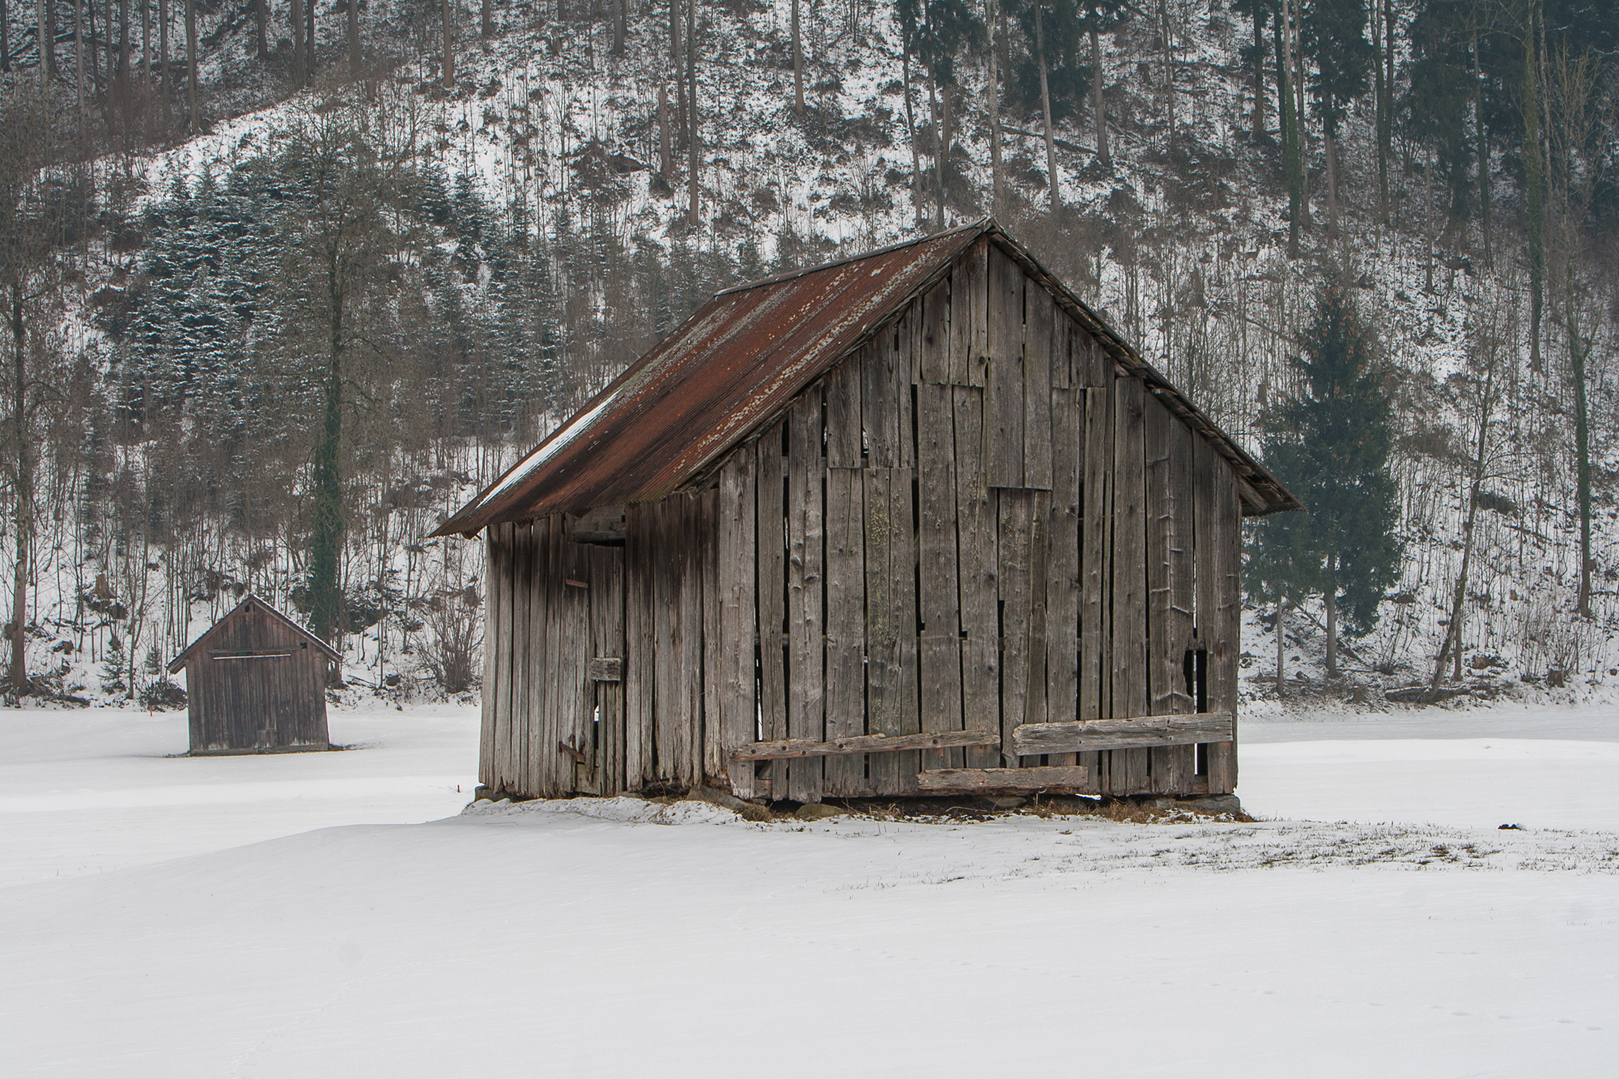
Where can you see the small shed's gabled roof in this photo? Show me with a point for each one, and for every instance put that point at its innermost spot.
(735, 365)
(179, 661)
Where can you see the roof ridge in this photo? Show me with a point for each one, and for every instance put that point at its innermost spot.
(983, 224)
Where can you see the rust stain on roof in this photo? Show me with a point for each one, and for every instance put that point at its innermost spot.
(739, 361)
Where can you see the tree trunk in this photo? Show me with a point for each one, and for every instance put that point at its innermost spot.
(23, 518)
(1291, 163)
(192, 89)
(1332, 618)
(261, 24)
(620, 19)
(938, 155)
(1169, 73)
(326, 531)
(996, 180)
(1578, 353)
(146, 64)
(355, 58)
(295, 17)
(693, 149)
(1329, 146)
(311, 52)
(1380, 89)
(798, 65)
(1533, 167)
(1099, 102)
(1483, 155)
(910, 128)
(1260, 135)
(1052, 179)
(78, 58)
(43, 29)
(1301, 137)
(486, 20)
(5, 36)
(665, 158)
(447, 17)
(162, 61)
(677, 56)
(1281, 647)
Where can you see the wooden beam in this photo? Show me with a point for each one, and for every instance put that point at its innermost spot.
(984, 780)
(863, 743)
(1032, 739)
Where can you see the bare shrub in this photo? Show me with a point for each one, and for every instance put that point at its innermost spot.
(454, 640)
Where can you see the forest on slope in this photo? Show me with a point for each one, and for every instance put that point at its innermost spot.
(285, 283)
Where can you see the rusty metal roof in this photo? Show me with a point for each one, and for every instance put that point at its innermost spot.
(737, 363)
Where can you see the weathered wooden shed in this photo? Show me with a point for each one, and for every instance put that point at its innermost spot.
(256, 683)
(911, 523)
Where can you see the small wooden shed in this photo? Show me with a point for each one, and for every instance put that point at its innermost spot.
(256, 683)
(916, 522)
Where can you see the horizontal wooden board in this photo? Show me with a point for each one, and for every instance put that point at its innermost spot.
(1033, 739)
(977, 780)
(863, 743)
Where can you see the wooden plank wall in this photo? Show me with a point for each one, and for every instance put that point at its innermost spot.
(274, 702)
(974, 522)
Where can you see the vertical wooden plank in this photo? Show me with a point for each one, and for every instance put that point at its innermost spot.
(969, 327)
(977, 569)
(738, 617)
(1063, 584)
(933, 355)
(713, 764)
(1037, 383)
(772, 530)
(1014, 548)
(1219, 598)
(844, 432)
(697, 515)
(640, 645)
(938, 598)
(1182, 586)
(576, 697)
(536, 655)
(805, 576)
(1064, 332)
(882, 635)
(845, 775)
(1004, 390)
(1129, 675)
(1165, 680)
(508, 670)
(606, 641)
(494, 591)
(880, 412)
(1096, 539)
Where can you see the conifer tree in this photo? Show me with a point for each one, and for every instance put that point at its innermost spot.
(1329, 446)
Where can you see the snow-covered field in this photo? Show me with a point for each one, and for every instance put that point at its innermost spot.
(292, 916)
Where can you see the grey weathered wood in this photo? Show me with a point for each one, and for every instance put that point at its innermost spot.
(879, 410)
(938, 596)
(1182, 590)
(1166, 683)
(1063, 586)
(864, 743)
(511, 667)
(603, 524)
(691, 543)
(576, 693)
(1128, 767)
(1096, 544)
(1032, 739)
(738, 622)
(969, 325)
(1219, 599)
(1004, 390)
(530, 655)
(978, 571)
(805, 579)
(1037, 363)
(606, 667)
(891, 690)
(986, 780)
(640, 645)
(845, 624)
(845, 434)
(712, 772)
(1015, 552)
(933, 342)
(496, 583)
(772, 531)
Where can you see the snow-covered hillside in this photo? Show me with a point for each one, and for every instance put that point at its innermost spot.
(1183, 245)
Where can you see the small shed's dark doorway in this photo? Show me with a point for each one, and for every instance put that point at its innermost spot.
(256, 683)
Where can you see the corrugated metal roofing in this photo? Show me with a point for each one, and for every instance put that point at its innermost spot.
(739, 361)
